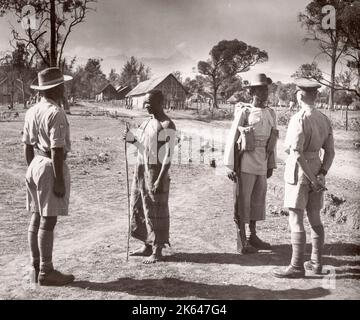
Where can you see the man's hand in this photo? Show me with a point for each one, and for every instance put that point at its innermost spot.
(232, 175)
(127, 135)
(318, 185)
(269, 173)
(156, 186)
(321, 179)
(59, 188)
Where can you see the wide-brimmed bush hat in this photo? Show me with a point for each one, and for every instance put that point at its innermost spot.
(259, 79)
(49, 78)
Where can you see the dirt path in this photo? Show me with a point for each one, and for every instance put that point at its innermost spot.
(202, 262)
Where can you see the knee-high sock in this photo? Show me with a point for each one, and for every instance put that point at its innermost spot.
(298, 242)
(252, 229)
(46, 242)
(317, 239)
(33, 240)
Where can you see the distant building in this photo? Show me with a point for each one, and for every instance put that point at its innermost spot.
(107, 93)
(173, 91)
(122, 91)
(11, 90)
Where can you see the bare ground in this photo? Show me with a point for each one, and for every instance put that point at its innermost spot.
(201, 263)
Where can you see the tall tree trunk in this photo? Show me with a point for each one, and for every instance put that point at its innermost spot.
(215, 104)
(23, 93)
(52, 34)
(333, 69)
(332, 80)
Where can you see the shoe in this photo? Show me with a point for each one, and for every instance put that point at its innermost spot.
(313, 267)
(247, 249)
(257, 243)
(289, 272)
(55, 278)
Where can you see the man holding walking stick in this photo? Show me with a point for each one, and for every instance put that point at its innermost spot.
(155, 142)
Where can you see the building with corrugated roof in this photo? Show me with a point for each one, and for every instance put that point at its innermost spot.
(173, 91)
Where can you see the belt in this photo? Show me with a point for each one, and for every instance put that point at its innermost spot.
(311, 155)
(46, 154)
(260, 143)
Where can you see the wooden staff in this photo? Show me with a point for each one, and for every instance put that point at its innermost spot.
(128, 196)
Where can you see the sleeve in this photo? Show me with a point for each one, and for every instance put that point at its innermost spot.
(30, 131)
(57, 129)
(329, 151)
(295, 137)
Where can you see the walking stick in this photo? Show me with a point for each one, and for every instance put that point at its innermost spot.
(128, 196)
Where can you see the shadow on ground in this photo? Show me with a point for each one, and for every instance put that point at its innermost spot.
(175, 288)
(280, 255)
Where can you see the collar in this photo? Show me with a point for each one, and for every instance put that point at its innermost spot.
(305, 106)
(51, 101)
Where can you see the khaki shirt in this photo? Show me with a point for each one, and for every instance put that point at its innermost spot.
(262, 120)
(46, 127)
(308, 132)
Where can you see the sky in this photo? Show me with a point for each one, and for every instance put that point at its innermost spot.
(171, 35)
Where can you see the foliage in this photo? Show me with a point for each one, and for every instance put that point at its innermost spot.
(16, 67)
(227, 59)
(68, 14)
(196, 85)
(133, 72)
(342, 43)
(114, 78)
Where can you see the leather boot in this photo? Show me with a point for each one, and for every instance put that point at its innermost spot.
(55, 278)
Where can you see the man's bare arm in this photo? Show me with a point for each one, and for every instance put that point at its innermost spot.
(316, 184)
(29, 153)
(57, 157)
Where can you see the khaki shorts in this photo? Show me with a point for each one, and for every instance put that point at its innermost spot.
(250, 192)
(40, 181)
(300, 196)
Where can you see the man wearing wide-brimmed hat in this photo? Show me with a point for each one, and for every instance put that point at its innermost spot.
(47, 141)
(308, 132)
(250, 155)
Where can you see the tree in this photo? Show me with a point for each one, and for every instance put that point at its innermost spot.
(286, 92)
(331, 41)
(227, 59)
(17, 69)
(350, 37)
(133, 72)
(343, 81)
(60, 17)
(178, 75)
(114, 78)
(231, 85)
(196, 85)
(273, 99)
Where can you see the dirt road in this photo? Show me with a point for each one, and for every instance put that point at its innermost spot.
(201, 263)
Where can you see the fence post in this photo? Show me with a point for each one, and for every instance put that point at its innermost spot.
(346, 118)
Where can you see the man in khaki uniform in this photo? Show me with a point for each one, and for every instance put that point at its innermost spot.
(250, 155)
(309, 131)
(47, 141)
